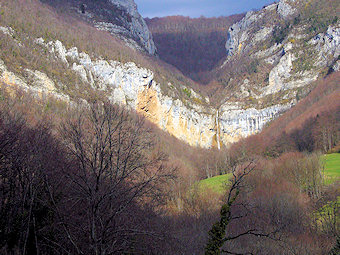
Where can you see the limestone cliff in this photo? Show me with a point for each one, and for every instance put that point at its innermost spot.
(135, 87)
(258, 26)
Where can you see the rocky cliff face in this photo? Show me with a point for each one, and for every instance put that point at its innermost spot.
(135, 88)
(130, 25)
(125, 84)
(258, 26)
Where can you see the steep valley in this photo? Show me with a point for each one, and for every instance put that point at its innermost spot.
(258, 80)
(172, 135)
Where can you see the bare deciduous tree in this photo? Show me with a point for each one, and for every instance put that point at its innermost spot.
(117, 170)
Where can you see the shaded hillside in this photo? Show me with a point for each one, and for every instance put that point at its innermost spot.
(120, 18)
(193, 45)
(46, 185)
(48, 160)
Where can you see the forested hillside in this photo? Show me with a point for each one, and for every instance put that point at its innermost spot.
(194, 46)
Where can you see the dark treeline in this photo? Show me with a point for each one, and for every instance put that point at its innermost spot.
(284, 198)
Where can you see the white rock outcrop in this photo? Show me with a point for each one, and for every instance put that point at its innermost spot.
(263, 34)
(118, 17)
(236, 122)
(336, 66)
(239, 33)
(35, 82)
(131, 26)
(285, 8)
(138, 26)
(327, 45)
(7, 30)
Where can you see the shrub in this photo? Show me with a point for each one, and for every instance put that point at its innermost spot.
(280, 32)
(187, 92)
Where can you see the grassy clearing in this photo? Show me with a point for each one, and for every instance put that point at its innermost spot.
(332, 168)
(327, 217)
(216, 184)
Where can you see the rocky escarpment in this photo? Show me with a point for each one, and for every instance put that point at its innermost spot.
(119, 17)
(236, 122)
(130, 25)
(125, 84)
(134, 87)
(258, 26)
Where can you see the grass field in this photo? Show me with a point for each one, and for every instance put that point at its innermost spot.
(332, 174)
(332, 168)
(216, 183)
(327, 217)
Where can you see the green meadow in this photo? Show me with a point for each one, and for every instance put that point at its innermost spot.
(332, 168)
(216, 184)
